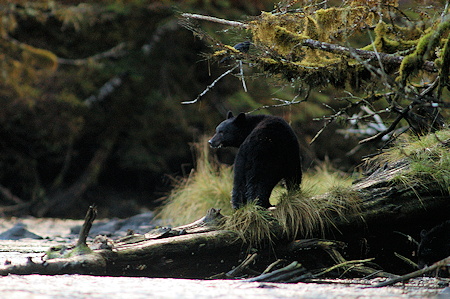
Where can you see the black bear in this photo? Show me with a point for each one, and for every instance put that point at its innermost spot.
(435, 245)
(268, 152)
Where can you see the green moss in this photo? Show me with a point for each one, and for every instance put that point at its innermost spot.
(39, 58)
(219, 53)
(443, 63)
(410, 65)
(287, 41)
(285, 33)
(62, 251)
(391, 40)
(425, 50)
(57, 251)
(331, 21)
(80, 250)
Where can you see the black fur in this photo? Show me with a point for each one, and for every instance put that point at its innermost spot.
(268, 152)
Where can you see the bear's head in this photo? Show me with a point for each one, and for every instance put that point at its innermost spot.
(230, 132)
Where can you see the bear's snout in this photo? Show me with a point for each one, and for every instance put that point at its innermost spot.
(214, 143)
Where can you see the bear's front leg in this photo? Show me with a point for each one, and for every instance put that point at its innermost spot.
(239, 185)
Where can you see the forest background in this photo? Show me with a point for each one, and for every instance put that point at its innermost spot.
(91, 97)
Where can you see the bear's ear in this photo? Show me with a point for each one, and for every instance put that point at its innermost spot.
(240, 118)
(229, 115)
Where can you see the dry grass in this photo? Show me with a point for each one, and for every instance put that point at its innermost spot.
(208, 185)
(302, 215)
(323, 178)
(253, 224)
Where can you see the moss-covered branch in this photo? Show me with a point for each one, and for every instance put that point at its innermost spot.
(388, 60)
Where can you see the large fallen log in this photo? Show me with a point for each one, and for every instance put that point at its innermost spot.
(192, 251)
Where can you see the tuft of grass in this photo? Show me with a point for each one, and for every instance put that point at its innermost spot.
(297, 212)
(252, 223)
(301, 214)
(208, 185)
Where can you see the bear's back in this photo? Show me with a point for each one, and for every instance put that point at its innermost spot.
(275, 128)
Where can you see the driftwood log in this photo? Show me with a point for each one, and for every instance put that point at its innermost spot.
(201, 250)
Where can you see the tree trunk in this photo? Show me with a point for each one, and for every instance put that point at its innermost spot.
(62, 200)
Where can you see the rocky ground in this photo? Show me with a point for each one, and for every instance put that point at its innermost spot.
(43, 233)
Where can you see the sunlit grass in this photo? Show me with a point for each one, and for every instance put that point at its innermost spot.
(253, 224)
(323, 178)
(208, 186)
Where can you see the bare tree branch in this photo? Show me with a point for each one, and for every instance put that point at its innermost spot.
(437, 265)
(210, 86)
(388, 130)
(215, 20)
(284, 102)
(7, 194)
(116, 51)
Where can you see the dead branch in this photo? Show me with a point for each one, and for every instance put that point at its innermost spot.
(284, 102)
(7, 194)
(344, 264)
(242, 267)
(210, 86)
(88, 220)
(330, 119)
(390, 129)
(107, 89)
(292, 271)
(435, 266)
(116, 51)
(215, 20)
(64, 199)
(17, 208)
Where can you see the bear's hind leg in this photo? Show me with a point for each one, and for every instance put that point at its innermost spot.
(259, 192)
(294, 177)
